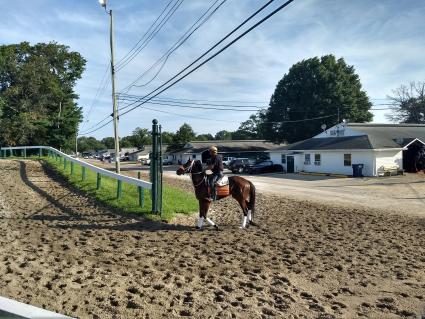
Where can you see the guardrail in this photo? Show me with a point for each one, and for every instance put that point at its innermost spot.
(100, 171)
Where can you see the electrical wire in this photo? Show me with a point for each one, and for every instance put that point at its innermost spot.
(202, 107)
(210, 49)
(151, 36)
(189, 32)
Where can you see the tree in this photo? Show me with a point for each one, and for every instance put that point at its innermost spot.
(167, 138)
(37, 94)
(86, 144)
(109, 142)
(315, 88)
(183, 135)
(223, 135)
(141, 137)
(251, 128)
(204, 137)
(409, 104)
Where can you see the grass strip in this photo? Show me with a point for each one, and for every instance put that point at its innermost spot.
(174, 200)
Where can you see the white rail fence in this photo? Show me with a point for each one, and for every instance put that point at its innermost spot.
(141, 184)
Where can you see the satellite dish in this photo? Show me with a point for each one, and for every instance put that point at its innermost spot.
(323, 126)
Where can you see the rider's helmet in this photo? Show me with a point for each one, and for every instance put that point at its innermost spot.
(213, 150)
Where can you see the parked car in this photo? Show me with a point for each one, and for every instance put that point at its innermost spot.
(238, 165)
(145, 161)
(260, 167)
(227, 160)
(166, 161)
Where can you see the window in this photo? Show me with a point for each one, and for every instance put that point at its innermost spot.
(316, 159)
(193, 156)
(307, 159)
(347, 159)
(283, 159)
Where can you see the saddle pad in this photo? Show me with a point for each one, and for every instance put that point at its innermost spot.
(223, 181)
(223, 191)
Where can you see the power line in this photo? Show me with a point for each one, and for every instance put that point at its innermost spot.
(189, 32)
(202, 107)
(167, 17)
(177, 101)
(217, 53)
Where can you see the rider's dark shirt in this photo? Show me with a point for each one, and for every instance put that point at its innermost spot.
(217, 164)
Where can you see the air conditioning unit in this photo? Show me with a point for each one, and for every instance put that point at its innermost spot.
(316, 162)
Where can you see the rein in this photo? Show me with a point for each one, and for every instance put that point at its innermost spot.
(189, 170)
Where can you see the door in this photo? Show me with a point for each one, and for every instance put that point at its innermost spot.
(289, 164)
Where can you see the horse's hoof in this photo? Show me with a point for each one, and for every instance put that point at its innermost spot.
(240, 227)
(252, 223)
(198, 228)
(216, 227)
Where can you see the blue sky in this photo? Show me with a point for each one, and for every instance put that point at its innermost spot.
(383, 39)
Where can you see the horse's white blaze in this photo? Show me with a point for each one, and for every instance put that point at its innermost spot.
(201, 222)
(209, 221)
(244, 221)
(249, 215)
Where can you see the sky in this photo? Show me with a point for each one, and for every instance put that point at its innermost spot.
(383, 39)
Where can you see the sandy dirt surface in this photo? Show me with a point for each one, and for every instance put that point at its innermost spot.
(62, 251)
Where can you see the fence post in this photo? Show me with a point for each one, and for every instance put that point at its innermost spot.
(98, 180)
(160, 171)
(25, 153)
(72, 168)
(64, 164)
(40, 152)
(154, 167)
(83, 173)
(141, 192)
(119, 189)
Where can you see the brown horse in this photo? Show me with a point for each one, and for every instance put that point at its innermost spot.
(241, 189)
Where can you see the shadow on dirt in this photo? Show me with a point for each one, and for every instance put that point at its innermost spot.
(122, 222)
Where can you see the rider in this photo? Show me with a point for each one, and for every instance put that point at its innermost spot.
(215, 164)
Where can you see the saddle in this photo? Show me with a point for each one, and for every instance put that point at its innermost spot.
(222, 187)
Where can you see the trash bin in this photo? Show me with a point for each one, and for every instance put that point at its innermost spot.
(357, 170)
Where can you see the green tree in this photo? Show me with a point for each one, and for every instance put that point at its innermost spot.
(183, 135)
(109, 142)
(409, 104)
(167, 138)
(223, 135)
(315, 88)
(251, 128)
(37, 98)
(141, 137)
(86, 144)
(204, 137)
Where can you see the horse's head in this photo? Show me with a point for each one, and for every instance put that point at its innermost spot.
(191, 166)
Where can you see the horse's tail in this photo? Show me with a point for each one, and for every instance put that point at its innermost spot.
(252, 198)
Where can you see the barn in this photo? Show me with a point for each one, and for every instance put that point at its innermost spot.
(378, 147)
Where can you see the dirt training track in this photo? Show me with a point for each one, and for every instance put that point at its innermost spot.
(62, 251)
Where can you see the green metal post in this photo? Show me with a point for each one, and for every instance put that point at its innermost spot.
(72, 168)
(154, 164)
(25, 153)
(40, 152)
(160, 171)
(119, 189)
(83, 173)
(141, 193)
(98, 181)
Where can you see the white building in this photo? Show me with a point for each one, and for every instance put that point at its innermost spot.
(376, 146)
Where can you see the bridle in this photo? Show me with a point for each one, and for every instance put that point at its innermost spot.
(188, 170)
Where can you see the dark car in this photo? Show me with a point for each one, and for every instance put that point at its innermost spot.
(238, 165)
(261, 167)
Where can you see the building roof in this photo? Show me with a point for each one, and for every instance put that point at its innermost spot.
(371, 136)
(148, 149)
(228, 146)
(390, 135)
(329, 143)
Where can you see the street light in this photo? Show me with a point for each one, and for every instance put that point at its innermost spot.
(114, 99)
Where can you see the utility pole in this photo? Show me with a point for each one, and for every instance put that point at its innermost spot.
(114, 98)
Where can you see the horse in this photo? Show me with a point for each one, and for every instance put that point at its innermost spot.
(241, 189)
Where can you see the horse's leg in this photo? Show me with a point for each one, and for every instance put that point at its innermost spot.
(244, 207)
(201, 215)
(208, 220)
